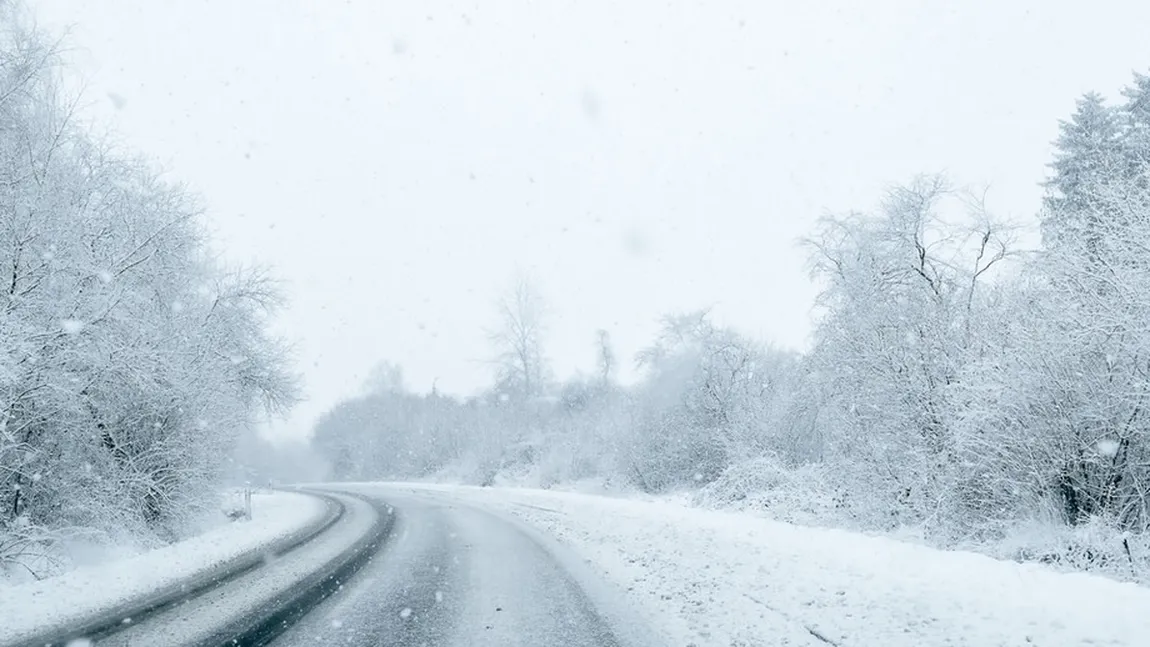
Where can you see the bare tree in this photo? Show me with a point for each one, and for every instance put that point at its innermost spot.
(521, 368)
(606, 356)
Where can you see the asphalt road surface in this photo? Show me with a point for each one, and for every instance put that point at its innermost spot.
(451, 574)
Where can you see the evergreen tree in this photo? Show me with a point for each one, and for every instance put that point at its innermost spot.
(1088, 155)
(1135, 123)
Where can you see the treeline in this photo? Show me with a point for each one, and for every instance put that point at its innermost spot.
(708, 396)
(130, 360)
(958, 384)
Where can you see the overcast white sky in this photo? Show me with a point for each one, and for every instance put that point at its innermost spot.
(396, 162)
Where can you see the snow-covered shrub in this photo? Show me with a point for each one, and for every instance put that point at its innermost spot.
(1093, 546)
(766, 486)
(28, 551)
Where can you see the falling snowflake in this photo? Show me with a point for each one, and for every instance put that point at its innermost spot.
(635, 242)
(406, 613)
(590, 104)
(105, 276)
(177, 306)
(439, 596)
(72, 326)
(1107, 447)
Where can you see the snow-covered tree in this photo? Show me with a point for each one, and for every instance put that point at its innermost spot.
(901, 310)
(1089, 153)
(130, 362)
(704, 403)
(1061, 420)
(517, 340)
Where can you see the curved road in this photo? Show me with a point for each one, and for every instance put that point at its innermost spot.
(235, 610)
(450, 575)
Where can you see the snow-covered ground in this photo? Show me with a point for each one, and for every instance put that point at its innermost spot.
(94, 589)
(717, 578)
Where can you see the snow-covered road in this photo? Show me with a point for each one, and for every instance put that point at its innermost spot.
(699, 577)
(453, 574)
(451, 566)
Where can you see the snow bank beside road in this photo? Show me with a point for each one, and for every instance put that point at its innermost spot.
(717, 578)
(86, 591)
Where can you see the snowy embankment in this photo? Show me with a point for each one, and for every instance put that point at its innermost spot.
(718, 578)
(69, 599)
